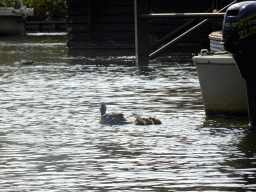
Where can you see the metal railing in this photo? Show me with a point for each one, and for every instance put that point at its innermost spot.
(142, 16)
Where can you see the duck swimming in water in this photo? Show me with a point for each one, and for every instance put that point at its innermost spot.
(113, 118)
(147, 121)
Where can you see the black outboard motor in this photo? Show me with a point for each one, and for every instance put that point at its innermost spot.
(239, 38)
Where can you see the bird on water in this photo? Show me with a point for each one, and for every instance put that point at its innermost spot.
(147, 121)
(113, 118)
(117, 118)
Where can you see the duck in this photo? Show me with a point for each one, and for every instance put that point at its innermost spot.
(147, 121)
(113, 118)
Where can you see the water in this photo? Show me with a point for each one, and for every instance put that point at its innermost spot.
(50, 139)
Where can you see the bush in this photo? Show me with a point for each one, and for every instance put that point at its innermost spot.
(43, 9)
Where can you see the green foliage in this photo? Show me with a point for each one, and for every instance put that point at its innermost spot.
(44, 9)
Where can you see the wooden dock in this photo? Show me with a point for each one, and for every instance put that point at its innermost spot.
(108, 27)
(46, 26)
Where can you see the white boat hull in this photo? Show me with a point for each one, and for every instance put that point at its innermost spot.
(223, 89)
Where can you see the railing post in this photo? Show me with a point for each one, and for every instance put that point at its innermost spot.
(141, 32)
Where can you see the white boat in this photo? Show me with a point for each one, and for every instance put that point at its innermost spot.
(12, 20)
(223, 89)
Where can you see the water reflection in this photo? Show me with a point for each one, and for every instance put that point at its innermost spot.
(42, 49)
(50, 138)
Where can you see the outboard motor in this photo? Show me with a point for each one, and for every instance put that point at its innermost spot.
(239, 38)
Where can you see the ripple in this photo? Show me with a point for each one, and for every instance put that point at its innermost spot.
(50, 138)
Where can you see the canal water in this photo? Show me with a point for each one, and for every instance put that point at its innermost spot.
(50, 138)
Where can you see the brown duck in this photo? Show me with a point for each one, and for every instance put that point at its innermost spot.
(117, 118)
(113, 118)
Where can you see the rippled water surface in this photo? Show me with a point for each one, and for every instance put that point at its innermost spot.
(50, 138)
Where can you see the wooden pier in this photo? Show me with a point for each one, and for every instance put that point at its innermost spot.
(46, 26)
(114, 27)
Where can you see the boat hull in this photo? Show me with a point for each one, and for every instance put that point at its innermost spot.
(223, 89)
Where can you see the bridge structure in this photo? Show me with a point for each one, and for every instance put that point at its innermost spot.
(140, 27)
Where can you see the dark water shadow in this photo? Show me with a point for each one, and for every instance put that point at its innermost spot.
(121, 57)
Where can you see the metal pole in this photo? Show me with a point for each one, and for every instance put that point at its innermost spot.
(21, 3)
(141, 32)
(182, 36)
(182, 15)
(5, 4)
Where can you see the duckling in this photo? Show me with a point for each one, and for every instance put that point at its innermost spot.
(155, 121)
(140, 121)
(113, 118)
(147, 121)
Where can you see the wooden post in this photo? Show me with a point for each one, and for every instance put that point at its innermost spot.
(141, 32)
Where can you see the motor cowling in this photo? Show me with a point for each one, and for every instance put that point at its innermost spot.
(239, 35)
(239, 38)
(239, 27)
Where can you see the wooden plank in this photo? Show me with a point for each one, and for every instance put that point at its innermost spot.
(46, 26)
